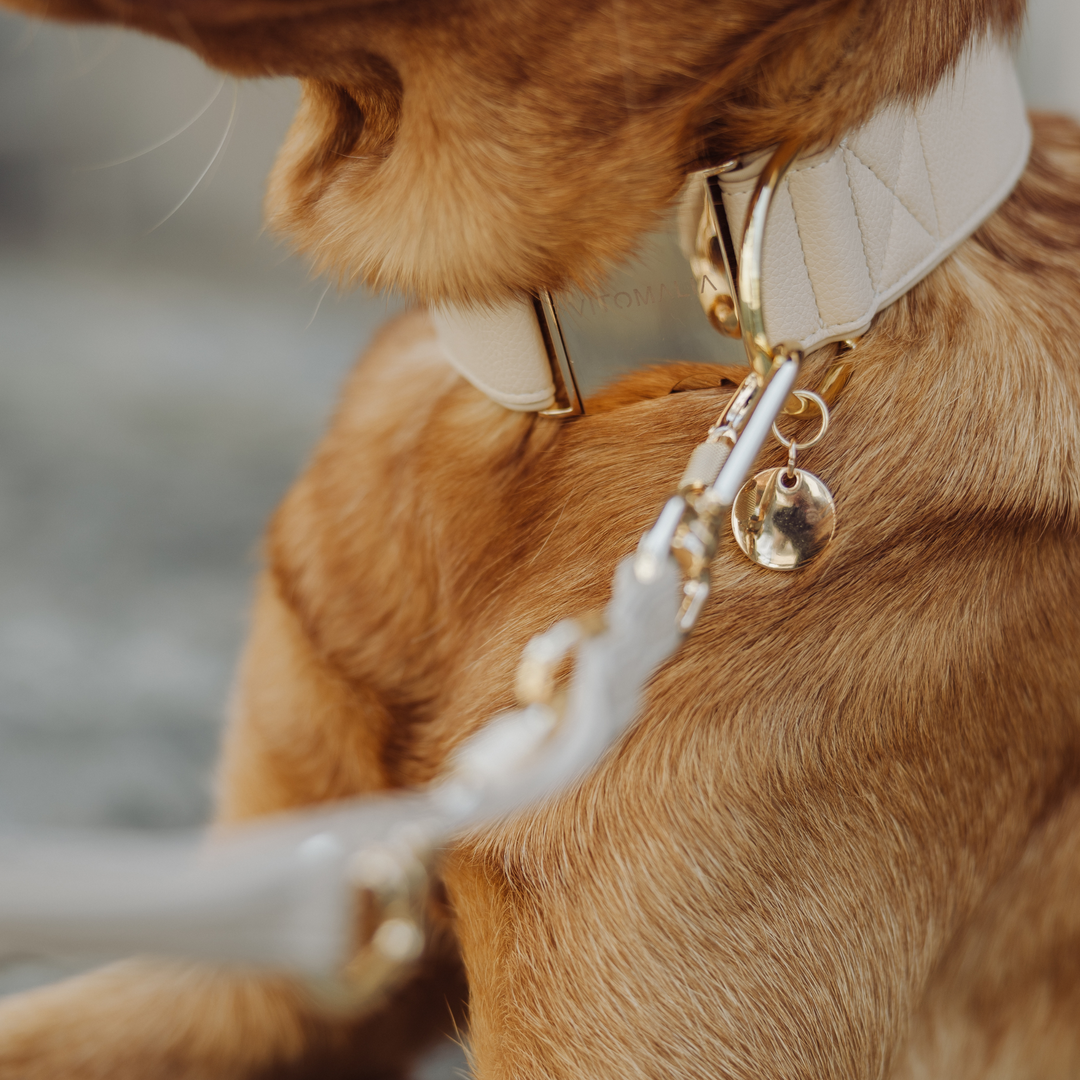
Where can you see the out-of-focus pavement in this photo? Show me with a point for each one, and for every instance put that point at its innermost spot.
(149, 421)
(158, 391)
(159, 388)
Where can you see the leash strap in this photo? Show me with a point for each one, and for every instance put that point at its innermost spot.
(286, 892)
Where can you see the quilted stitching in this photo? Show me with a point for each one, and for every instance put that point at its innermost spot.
(832, 239)
(889, 218)
(918, 182)
(896, 216)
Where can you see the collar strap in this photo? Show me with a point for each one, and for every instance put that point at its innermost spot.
(851, 229)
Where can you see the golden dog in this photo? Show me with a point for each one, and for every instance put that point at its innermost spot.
(844, 838)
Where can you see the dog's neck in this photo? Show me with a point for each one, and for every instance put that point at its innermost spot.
(852, 229)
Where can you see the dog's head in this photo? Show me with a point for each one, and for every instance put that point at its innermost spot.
(479, 148)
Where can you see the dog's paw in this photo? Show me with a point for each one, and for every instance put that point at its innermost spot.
(140, 1020)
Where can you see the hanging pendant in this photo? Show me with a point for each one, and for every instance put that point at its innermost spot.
(783, 521)
(784, 517)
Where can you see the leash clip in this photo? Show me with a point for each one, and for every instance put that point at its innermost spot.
(688, 528)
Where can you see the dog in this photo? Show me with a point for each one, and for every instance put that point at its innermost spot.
(843, 839)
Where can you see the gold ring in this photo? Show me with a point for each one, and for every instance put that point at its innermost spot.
(751, 256)
(819, 401)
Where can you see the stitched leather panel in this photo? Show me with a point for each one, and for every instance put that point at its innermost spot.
(831, 240)
(866, 221)
(500, 351)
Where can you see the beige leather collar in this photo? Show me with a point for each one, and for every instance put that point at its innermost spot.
(851, 230)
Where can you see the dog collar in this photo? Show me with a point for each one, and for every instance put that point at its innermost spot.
(852, 228)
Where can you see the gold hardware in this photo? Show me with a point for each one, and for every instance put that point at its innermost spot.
(545, 656)
(694, 547)
(790, 444)
(724, 317)
(567, 397)
(645, 312)
(751, 255)
(785, 517)
(709, 264)
(391, 894)
(835, 380)
(715, 244)
(652, 310)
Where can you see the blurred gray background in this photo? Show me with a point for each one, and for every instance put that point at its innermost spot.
(159, 388)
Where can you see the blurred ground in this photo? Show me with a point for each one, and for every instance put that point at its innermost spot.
(159, 388)
(149, 421)
(158, 391)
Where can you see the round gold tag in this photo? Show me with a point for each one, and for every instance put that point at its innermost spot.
(783, 521)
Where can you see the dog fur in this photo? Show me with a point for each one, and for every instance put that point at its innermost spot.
(843, 841)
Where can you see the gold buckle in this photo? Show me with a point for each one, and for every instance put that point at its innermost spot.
(568, 399)
(746, 272)
(647, 312)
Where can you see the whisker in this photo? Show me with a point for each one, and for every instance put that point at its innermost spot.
(160, 143)
(319, 304)
(220, 147)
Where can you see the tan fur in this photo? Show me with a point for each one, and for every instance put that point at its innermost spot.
(473, 149)
(844, 839)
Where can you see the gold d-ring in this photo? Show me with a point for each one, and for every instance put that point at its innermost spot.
(819, 401)
(751, 254)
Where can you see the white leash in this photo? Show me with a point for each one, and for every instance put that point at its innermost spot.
(283, 893)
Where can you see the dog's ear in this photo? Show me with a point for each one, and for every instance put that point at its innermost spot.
(471, 150)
